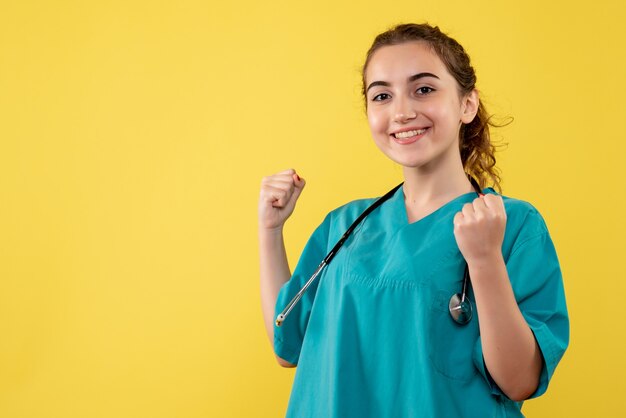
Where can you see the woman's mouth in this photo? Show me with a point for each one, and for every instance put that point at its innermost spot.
(408, 137)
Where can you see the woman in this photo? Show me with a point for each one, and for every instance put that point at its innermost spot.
(378, 334)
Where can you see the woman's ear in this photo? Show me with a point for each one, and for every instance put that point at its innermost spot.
(469, 106)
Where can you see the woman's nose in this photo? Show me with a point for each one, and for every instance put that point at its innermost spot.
(404, 111)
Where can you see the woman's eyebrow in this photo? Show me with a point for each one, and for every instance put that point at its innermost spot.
(421, 75)
(410, 79)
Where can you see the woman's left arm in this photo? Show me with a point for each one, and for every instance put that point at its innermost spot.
(510, 350)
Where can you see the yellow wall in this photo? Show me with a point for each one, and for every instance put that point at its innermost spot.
(133, 138)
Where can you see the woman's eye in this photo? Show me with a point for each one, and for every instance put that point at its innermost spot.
(425, 90)
(379, 97)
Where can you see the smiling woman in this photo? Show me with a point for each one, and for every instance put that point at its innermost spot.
(426, 105)
(377, 334)
(453, 72)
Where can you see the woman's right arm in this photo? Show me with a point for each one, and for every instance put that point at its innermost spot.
(277, 201)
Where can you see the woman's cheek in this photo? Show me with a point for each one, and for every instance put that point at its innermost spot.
(378, 130)
(374, 120)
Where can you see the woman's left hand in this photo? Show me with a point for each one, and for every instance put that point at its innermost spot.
(479, 228)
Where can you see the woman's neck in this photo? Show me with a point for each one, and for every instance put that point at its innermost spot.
(425, 192)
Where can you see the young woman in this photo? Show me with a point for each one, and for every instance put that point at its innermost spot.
(394, 326)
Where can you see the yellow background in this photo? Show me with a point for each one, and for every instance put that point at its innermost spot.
(133, 138)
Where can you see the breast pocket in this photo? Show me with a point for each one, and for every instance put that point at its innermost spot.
(450, 345)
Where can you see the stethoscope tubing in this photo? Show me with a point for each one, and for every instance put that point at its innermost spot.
(460, 306)
(281, 317)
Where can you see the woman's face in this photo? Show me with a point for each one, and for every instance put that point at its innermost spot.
(413, 105)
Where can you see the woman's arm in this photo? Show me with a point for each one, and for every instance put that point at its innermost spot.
(274, 273)
(277, 201)
(510, 351)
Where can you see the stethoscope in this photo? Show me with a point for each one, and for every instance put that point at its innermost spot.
(460, 305)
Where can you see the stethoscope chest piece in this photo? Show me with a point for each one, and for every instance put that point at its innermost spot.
(460, 309)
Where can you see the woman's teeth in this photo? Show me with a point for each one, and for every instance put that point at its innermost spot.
(408, 134)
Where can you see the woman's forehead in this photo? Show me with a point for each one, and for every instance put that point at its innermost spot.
(398, 62)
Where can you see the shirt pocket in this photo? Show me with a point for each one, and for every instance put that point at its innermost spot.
(450, 345)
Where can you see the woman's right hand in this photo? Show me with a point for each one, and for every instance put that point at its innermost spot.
(279, 193)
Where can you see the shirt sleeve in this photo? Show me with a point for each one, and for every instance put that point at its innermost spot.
(289, 336)
(537, 283)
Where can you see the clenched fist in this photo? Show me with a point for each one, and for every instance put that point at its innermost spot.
(479, 228)
(279, 193)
